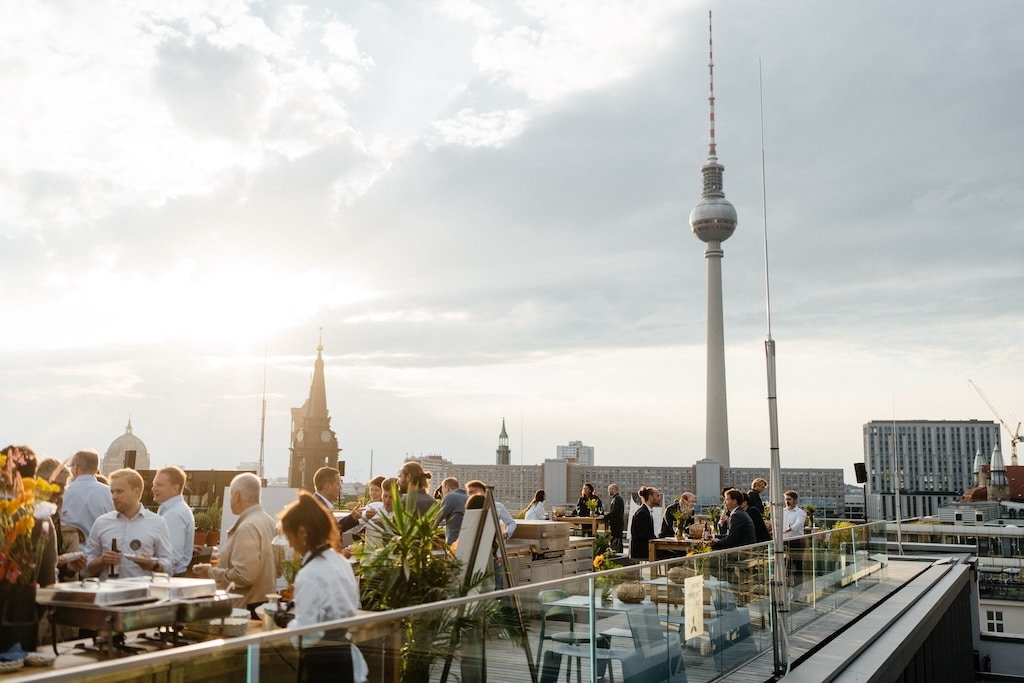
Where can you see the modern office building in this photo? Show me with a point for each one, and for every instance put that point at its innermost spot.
(989, 530)
(576, 452)
(932, 461)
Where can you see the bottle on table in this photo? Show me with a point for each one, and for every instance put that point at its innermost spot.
(114, 571)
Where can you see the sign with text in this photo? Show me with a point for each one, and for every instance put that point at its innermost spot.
(693, 605)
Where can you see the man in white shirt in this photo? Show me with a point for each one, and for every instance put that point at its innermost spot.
(85, 499)
(168, 484)
(142, 538)
(793, 519)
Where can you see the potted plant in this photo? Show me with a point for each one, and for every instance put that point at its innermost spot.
(408, 567)
(213, 514)
(202, 532)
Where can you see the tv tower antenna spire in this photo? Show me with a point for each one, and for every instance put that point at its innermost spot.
(713, 220)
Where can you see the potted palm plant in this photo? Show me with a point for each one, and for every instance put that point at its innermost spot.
(411, 565)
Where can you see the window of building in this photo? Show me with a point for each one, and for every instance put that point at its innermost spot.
(994, 621)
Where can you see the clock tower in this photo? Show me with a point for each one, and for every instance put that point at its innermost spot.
(313, 443)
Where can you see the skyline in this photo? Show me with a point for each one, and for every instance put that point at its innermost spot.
(485, 207)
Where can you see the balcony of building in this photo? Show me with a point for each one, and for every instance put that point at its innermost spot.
(848, 611)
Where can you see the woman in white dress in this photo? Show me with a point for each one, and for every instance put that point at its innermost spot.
(535, 510)
(325, 590)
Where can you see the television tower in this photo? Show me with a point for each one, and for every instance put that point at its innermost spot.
(713, 221)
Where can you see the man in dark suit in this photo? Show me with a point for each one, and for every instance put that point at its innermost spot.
(616, 516)
(754, 502)
(761, 534)
(327, 483)
(642, 526)
(683, 508)
(741, 528)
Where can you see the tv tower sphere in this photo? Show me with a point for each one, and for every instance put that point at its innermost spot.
(713, 220)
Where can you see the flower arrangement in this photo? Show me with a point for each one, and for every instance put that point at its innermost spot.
(592, 504)
(699, 549)
(23, 502)
(713, 515)
(602, 563)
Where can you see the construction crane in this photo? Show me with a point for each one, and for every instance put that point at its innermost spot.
(1015, 436)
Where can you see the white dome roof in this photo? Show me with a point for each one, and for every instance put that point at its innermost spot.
(114, 459)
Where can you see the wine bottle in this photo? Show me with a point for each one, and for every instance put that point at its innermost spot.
(114, 571)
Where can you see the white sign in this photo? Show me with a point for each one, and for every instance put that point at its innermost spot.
(693, 605)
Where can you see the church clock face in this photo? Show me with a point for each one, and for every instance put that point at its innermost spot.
(325, 436)
(299, 436)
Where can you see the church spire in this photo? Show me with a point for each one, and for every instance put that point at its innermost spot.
(313, 444)
(504, 455)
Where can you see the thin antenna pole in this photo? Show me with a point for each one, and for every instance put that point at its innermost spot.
(764, 202)
(263, 413)
(712, 153)
(780, 601)
(896, 480)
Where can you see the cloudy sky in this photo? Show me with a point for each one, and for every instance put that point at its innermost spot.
(485, 207)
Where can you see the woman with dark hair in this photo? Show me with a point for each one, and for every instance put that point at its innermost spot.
(582, 505)
(641, 529)
(414, 481)
(535, 510)
(325, 590)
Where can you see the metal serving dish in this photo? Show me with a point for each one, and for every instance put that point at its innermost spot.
(173, 587)
(117, 618)
(208, 607)
(92, 592)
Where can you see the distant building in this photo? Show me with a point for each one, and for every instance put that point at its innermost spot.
(126, 450)
(935, 463)
(992, 530)
(562, 480)
(504, 455)
(313, 443)
(576, 452)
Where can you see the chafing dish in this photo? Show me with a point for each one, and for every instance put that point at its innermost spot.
(173, 587)
(117, 618)
(206, 607)
(92, 592)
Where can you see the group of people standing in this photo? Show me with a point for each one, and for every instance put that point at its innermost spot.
(741, 521)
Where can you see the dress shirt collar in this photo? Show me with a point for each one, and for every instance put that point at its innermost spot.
(171, 502)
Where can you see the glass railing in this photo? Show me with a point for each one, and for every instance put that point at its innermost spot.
(687, 618)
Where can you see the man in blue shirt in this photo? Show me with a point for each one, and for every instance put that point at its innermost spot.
(85, 499)
(453, 508)
(167, 487)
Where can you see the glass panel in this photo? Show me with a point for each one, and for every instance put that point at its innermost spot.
(692, 617)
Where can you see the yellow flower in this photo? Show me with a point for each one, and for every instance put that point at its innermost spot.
(598, 561)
